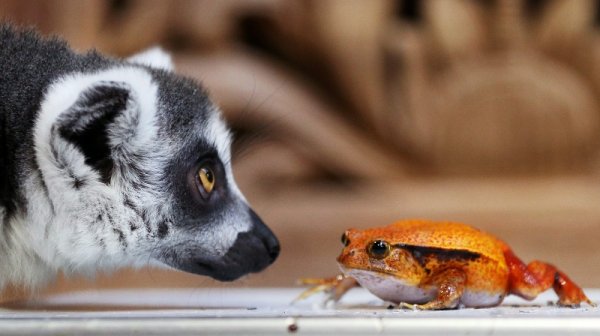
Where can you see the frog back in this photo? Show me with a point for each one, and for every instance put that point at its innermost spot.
(450, 236)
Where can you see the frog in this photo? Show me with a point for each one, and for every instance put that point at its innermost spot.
(432, 265)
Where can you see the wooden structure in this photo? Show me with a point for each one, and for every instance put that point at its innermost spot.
(356, 113)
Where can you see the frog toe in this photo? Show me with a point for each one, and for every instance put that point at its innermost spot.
(409, 306)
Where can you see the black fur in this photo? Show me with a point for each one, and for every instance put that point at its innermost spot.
(163, 229)
(6, 191)
(106, 111)
(103, 103)
(28, 64)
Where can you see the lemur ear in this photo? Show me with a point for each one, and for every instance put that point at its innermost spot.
(154, 58)
(87, 122)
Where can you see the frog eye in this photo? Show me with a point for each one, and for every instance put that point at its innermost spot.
(345, 239)
(206, 177)
(378, 249)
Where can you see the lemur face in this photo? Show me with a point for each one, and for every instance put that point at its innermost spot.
(209, 229)
(135, 163)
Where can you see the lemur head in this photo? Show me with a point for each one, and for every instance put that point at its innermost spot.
(135, 162)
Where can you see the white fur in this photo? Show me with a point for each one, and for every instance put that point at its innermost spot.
(63, 93)
(221, 238)
(76, 230)
(225, 235)
(63, 216)
(218, 133)
(154, 57)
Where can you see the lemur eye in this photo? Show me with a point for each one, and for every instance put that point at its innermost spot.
(207, 178)
(378, 249)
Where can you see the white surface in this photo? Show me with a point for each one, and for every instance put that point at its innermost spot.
(268, 311)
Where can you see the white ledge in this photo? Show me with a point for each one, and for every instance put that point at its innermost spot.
(266, 311)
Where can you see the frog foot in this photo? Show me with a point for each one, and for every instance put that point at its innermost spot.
(409, 306)
(333, 287)
(569, 304)
(433, 305)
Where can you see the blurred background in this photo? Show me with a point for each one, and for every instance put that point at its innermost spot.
(352, 113)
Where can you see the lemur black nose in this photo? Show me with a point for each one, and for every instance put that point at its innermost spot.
(274, 252)
(266, 235)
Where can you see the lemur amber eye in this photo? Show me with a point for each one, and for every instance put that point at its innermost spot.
(378, 249)
(207, 178)
(345, 240)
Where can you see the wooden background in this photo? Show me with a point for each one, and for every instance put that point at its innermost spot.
(352, 113)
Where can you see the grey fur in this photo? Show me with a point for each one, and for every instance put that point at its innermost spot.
(110, 180)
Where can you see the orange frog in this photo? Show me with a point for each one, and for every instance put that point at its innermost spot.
(440, 265)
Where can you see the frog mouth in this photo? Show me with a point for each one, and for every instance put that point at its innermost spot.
(382, 275)
(382, 272)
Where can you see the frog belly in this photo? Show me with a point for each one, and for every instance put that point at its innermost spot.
(393, 289)
(390, 288)
(481, 299)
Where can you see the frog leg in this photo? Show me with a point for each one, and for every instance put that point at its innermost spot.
(527, 281)
(450, 283)
(334, 287)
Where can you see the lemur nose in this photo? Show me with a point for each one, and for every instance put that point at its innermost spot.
(273, 251)
(266, 235)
